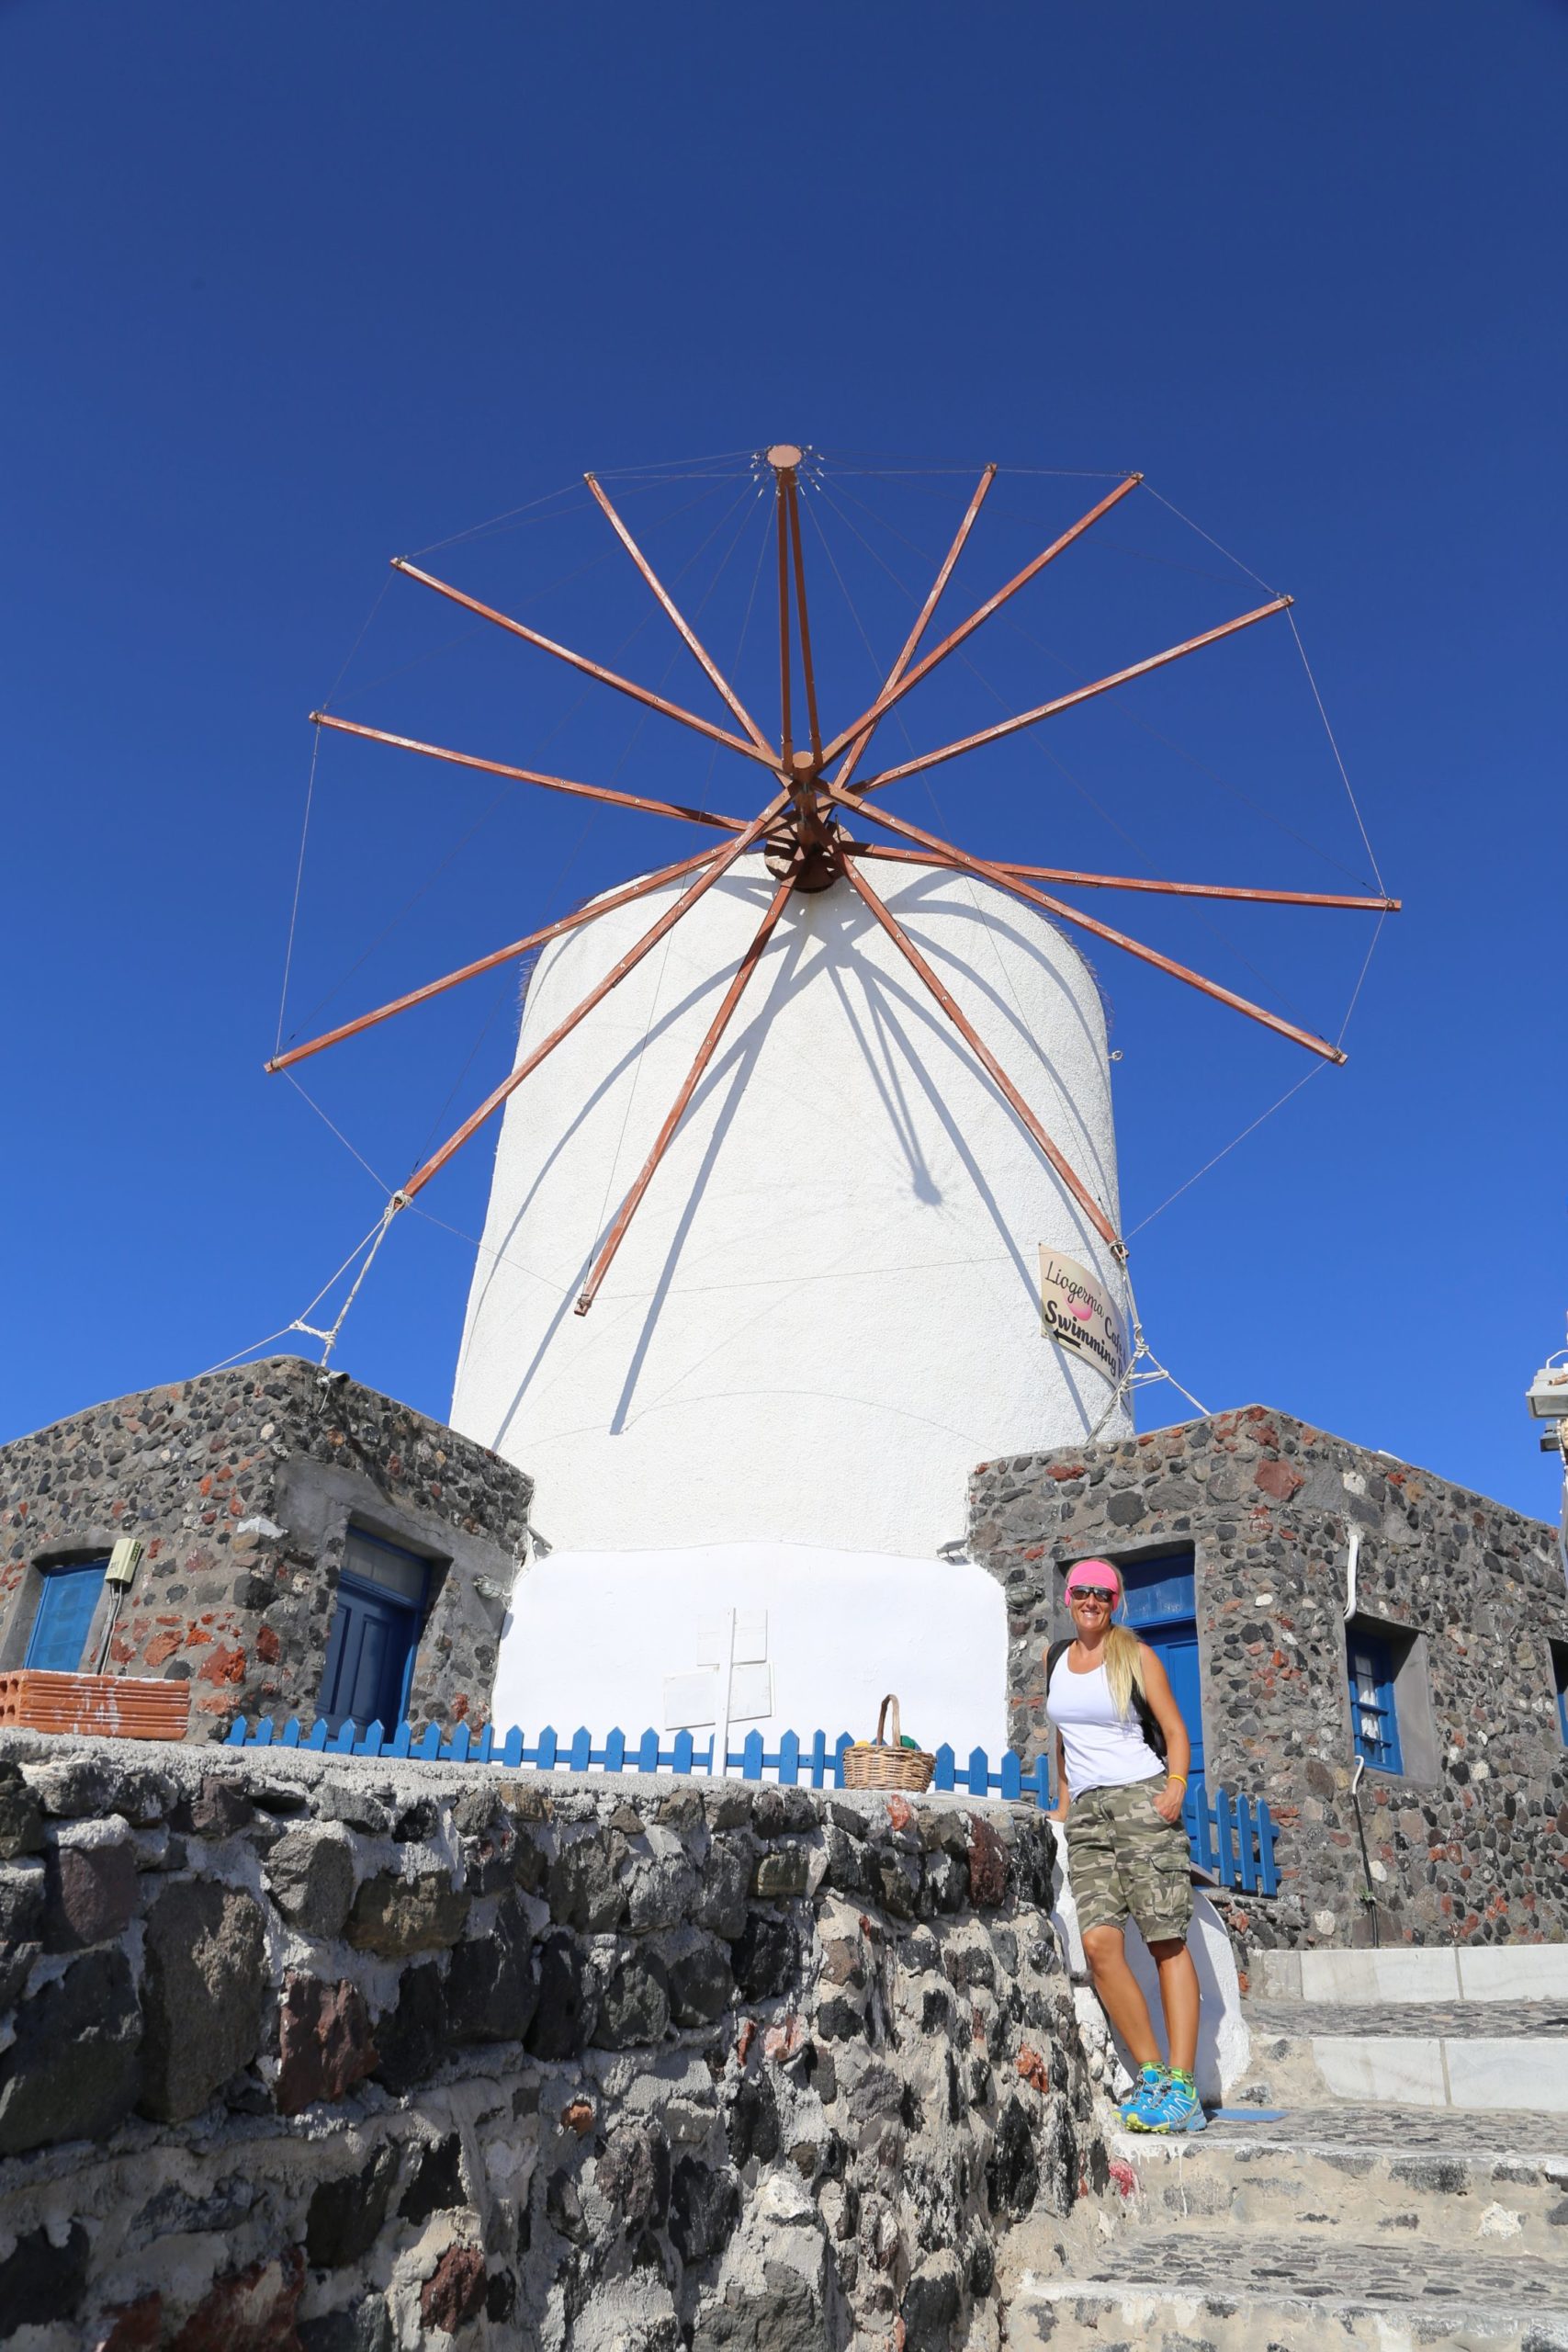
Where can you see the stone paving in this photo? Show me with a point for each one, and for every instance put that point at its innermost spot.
(1468, 2020)
(1445, 2130)
(1421, 2274)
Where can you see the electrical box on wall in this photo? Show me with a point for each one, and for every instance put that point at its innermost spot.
(124, 1560)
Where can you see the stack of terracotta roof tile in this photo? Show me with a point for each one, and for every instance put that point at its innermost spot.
(110, 1706)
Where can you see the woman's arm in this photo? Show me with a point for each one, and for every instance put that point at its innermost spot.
(1177, 1745)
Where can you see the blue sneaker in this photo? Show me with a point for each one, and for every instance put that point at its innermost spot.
(1147, 2101)
(1179, 2111)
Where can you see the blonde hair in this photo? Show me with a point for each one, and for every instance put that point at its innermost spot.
(1123, 1668)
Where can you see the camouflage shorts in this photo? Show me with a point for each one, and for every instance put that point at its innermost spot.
(1128, 1862)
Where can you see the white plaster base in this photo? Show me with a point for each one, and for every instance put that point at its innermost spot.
(591, 1636)
(1224, 2045)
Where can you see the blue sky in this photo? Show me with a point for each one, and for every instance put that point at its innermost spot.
(292, 290)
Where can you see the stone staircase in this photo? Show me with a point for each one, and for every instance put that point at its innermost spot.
(1392, 2173)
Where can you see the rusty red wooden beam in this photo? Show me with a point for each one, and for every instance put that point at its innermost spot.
(1005, 880)
(1138, 881)
(950, 644)
(689, 636)
(786, 732)
(531, 776)
(704, 1054)
(986, 1059)
(634, 956)
(580, 661)
(1079, 694)
(856, 752)
(638, 889)
(792, 494)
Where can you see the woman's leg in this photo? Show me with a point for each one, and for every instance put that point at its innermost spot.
(1178, 1998)
(1121, 1998)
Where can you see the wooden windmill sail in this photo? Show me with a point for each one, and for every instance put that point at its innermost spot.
(812, 825)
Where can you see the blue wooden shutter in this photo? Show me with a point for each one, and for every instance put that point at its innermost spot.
(1374, 1724)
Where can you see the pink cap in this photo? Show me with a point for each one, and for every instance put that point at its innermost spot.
(1096, 1572)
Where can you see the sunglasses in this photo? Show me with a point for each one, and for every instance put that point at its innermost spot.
(1090, 1592)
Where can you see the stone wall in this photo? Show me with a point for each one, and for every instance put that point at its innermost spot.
(327, 2056)
(240, 1486)
(1468, 1843)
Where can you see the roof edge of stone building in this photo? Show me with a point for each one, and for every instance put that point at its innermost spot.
(1128, 1450)
(291, 1376)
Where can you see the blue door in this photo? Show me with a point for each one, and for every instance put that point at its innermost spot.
(64, 1612)
(370, 1651)
(1162, 1610)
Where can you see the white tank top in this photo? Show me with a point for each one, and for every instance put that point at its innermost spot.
(1100, 1750)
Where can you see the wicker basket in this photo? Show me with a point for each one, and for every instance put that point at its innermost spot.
(885, 1764)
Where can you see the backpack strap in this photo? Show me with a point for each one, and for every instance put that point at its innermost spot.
(1054, 1657)
(1149, 1723)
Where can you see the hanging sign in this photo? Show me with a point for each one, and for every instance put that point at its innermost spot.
(1078, 1313)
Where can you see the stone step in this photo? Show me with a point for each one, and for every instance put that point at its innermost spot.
(1491, 2181)
(1483, 1973)
(1164, 2290)
(1511, 2056)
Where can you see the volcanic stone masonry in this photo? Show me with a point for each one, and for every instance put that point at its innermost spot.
(240, 1486)
(356, 2057)
(1469, 1843)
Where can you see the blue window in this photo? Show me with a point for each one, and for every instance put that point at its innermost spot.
(1373, 1722)
(64, 1612)
(1162, 1610)
(370, 1651)
(1560, 1676)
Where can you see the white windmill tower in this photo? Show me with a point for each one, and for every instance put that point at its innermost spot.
(874, 1241)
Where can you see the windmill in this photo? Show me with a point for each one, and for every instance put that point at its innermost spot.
(901, 1397)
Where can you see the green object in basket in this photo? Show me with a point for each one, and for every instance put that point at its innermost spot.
(908, 1742)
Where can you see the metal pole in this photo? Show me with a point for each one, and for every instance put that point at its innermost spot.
(1005, 880)
(706, 1052)
(634, 956)
(580, 661)
(853, 756)
(686, 632)
(488, 962)
(988, 1061)
(1136, 882)
(890, 694)
(530, 775)
(1079, 694)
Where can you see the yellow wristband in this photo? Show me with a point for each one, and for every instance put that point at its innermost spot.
(1176, 1776)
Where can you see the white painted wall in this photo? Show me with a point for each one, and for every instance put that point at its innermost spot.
(827, 1310)
(591, 1636)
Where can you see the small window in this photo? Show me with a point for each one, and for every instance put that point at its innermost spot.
(65, 1610)
(1374, 1724)
(1560, 1677)
(375, 1561)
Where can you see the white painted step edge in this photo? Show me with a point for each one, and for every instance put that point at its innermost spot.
(1415, 1973)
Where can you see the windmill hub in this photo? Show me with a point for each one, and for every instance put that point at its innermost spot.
(784, 456)
(807, 852)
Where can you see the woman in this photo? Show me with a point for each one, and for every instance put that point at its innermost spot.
(1122, 1758)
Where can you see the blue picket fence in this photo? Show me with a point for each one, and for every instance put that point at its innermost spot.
(1231, 1836)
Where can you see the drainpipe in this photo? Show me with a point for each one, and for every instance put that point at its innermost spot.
(1352, 1554)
